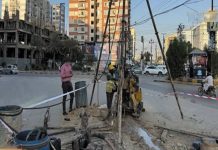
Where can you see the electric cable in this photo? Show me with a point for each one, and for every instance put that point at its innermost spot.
(112, 40)
(99, 59)
(164, 12)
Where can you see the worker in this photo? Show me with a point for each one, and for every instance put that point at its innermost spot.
(111, 68)
(110, 89)
(136, 98)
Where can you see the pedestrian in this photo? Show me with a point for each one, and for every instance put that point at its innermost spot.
(110, 89)
(66, 74)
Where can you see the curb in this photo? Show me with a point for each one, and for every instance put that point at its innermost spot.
(188, 81)
(198, 96)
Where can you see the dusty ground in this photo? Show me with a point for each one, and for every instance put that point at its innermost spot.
(133, 133)
(136, 134)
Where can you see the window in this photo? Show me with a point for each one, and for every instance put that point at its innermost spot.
(92, 6)
(92, 30)
(92, 38)
(82, 37)
(92, 22)
(82, 29)
(92, 14)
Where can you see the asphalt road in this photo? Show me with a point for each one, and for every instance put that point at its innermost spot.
(166, 88)
(28, 89)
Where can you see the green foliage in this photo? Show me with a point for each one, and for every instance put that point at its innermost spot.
(214, 61)
(176, 57)
(61, 47)
(147, 56)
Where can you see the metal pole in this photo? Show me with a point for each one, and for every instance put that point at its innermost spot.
(212, 5)
(156, 52)
(163, 44)
(167, 66)
(151, 42)
(142, 52)
(122, 78)
(98, 64)
(98, 93)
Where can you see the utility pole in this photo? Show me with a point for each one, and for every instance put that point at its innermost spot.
(156, 52)
(109, 35)
(163, 44)
(212, 5)
(142, 52)
(122, 67)
(212, 29)
(151, 42)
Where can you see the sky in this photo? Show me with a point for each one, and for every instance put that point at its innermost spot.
(188, 15)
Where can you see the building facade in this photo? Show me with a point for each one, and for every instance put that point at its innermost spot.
(198, 35)
(86, 26)
(36, 12)
(17, 45)
(133, 42)
(58, 17)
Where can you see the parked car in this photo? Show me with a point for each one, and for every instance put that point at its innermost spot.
(155, 70)
(10, 69)
(137, 70)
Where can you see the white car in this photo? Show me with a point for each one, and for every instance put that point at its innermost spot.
(10, 69)
(155, 70)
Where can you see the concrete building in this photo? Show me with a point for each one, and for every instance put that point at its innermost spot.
(87, 26)
(16, 42)
(198, 35)
(133, 41)
(36, 12)
(58, 17)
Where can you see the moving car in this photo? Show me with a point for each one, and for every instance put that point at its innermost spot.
(155, 70)
(10, 69)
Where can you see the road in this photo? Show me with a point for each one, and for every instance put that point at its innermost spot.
(161, 108)
(199, 114)
(166, 88)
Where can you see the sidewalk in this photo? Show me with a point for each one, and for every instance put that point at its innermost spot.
(188, 81)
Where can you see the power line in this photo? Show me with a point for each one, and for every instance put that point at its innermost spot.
(112, 40)
(164, 12)
(99, 59)
(137, 4)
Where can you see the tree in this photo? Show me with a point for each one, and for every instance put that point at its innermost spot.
(177, 57)
(38, 45)
(54, 47)
(147, 56)
(71, 47)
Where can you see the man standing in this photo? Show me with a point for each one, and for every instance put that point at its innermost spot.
(110, 89)
(66, 73)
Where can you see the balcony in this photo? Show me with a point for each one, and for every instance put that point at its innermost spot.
(82, 15)
(81, 0)
(82, 7)
(80, 31)
(81, 23)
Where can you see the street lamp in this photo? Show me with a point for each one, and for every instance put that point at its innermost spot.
(151, 42)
